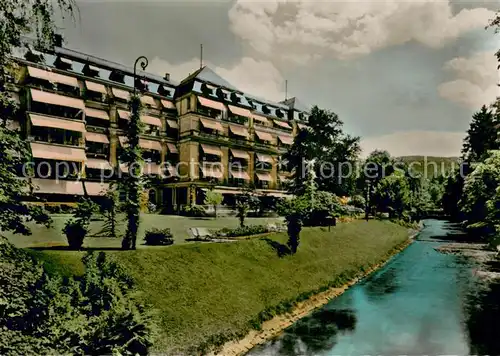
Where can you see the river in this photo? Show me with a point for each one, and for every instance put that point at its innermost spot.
(421, 302)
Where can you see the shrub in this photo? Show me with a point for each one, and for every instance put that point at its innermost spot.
(67, 209)
(159, 237)
(193, 211)
(94, 315)
(243, 231)
(75, 231)
(77, 228)
(358, 201)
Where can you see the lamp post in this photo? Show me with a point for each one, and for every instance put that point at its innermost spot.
(367, 200)
(143, 61)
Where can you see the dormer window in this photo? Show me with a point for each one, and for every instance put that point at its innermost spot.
(90, 71)
(163, 91)
(226, 95)
(117, 76)
(141, 84)
(63, 63)
(265, 110)
(34, 56)
(211, 91)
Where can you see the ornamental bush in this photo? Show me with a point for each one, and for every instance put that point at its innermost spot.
(159, 237)
(243, 231)
(193, 211)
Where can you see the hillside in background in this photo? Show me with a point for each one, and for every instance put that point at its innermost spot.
(431, 166)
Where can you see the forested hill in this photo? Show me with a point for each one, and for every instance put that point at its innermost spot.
(435, 165)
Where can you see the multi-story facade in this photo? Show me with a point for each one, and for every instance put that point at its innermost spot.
(199, 134)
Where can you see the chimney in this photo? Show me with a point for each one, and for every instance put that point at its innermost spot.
(167, 77)
(58, 40)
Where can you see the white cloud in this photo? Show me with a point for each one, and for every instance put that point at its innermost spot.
(259, 78)
(410, 143)
(475, 81)
(344, 29)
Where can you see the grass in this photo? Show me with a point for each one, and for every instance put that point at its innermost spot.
(53, 237)
(208, 293)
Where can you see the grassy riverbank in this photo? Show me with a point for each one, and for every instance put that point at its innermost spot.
(205, 294)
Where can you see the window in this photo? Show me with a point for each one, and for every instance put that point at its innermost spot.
(188, 104)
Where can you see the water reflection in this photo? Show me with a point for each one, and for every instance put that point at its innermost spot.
(421, 302)
(483, 319)
(315, 333)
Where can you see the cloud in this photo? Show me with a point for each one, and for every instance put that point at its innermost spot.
(346, 29)
(258, 78)
(475, 80)
(410, 143)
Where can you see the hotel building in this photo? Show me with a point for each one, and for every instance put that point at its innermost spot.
(74, 114)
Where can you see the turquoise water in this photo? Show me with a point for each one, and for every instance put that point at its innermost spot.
(421, 302)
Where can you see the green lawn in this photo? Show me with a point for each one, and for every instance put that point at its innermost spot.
(43, 237)
(203, 290)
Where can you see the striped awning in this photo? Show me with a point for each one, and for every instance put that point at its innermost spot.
(52, 77)
(124, 114)
(167, 104)
(239, 111)
(119, 93)
(150, 144)
(264, 136)
(264, 177)
(96, 188)
(287, 140)
(98, 114)
(283, 124)
(98, 164)
(172, 147)
(96, 137)
(56, 99)
(211, 104)
(239, 131)
(213, 125)
(240, 175)
(264, 158)
(213, 171)
(93, 86)
(151, 120)
(240, 154)
(50, 186)
(261, 119)
(211, 150)
(172, 124)
(61, 153)
(148, 100)
(52, 122)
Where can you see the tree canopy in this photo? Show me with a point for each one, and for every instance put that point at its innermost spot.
(327, 150)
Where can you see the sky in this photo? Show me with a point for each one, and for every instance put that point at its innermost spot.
(405, 76)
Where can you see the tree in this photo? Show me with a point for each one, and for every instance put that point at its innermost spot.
(392, 195)
(109, 210)
(479, 188)
(214, 199)
(242, 208)
(131, 184)
(330, 153)
(294, 227)
(495, 22)
(20, 18)
(482, 136)
(98, 313)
